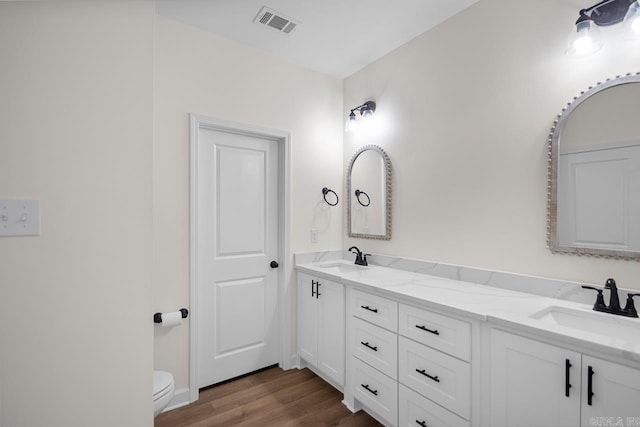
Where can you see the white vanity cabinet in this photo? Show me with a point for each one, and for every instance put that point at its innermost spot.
(321, 327)
(406, 365)
(540, 384)
(417, 350)
(435, 363)
(372, 352)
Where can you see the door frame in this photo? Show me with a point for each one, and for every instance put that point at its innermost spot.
(284, 303)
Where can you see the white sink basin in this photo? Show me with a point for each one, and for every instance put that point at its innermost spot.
(592, 322)
(341, 267)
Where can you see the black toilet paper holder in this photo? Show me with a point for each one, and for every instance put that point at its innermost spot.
(157, 317)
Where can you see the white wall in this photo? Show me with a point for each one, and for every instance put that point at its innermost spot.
(466, 111)
(197, 72)
(76, 132)
(584, 128)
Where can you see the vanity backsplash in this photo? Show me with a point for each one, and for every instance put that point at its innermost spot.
(552, 288)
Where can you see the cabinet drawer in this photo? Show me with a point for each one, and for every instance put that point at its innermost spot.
(437, 376)
(375, 309)
(415, 410)
(376, 346)
(435, 330)
(376, 391)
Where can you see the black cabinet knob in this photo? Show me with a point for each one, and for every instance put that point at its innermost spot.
(273, 264)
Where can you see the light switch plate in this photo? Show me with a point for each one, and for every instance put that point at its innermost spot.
(19, 217)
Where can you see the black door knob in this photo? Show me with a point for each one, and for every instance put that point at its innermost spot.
(274, 264)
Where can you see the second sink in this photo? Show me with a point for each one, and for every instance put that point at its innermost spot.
(591, 322)
(341, 267)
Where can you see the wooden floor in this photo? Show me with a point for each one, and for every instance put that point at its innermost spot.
(271, 397)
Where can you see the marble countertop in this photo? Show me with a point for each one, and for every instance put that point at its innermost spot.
(498, 306)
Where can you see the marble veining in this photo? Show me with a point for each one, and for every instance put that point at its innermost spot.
(546, 287)
(313, 257)
(496, 297)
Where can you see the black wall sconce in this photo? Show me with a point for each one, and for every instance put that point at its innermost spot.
(366, 111)
(585, 37)
(326, 191)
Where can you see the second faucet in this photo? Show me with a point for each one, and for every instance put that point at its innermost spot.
(361, 259)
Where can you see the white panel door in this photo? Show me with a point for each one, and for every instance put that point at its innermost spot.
(237, 223)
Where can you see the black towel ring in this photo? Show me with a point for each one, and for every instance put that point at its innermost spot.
(358, 193)
(326, 190)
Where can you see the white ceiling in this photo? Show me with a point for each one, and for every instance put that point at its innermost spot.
(336, 37)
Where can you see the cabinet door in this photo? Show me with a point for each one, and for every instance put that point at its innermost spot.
(529, 383)
(307, 319)
(331, 330)
(615, 393)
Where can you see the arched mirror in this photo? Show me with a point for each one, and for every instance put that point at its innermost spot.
(369, 194)
(594, 172)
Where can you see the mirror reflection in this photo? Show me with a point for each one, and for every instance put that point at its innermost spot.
(595, 172)
(369, 194)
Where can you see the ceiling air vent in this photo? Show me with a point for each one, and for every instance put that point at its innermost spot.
(275, 20)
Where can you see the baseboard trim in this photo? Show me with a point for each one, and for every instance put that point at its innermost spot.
(294, 363)
(180, 398)
(350, 407)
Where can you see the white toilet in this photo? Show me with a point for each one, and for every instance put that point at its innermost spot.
(163, 388)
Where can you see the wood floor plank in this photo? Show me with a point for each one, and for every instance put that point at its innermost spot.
(293, 407)
(271, 397)
(251, 394)
(261, 377)
(290, 401)
(227, 396)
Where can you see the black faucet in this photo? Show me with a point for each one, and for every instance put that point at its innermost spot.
(614, 302)
(629, 307)
(361, 259)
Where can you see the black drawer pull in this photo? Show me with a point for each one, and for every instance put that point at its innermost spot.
(366, 344)
(590, 385)
(567, 383)
(421, 423)
(424, 328)
(424, 372)
(366, 307)
(366, 387)
(313, 292)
